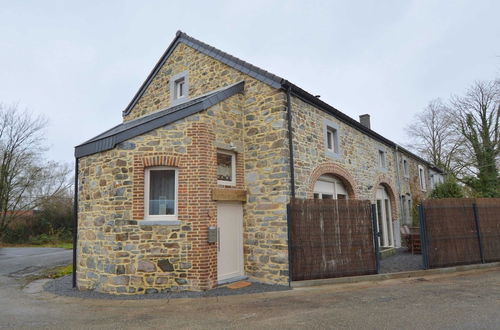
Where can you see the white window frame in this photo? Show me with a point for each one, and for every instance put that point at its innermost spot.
(382, 158)
(406, 168)
(179, 85)
(233, 168)
(175, 97)
(333, 140)
(147, 176)
(421, 178)
(335, 151)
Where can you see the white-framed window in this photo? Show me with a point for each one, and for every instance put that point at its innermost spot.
(382, 161)
(332, 134)
(226, 168)
(406, 168)
(332, 140)
(329, 187)
(421, 177)
(160, 193)
(179, 88)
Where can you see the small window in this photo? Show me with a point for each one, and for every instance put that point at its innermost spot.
(160, 193)
(421, 177)
(381, 159)
(332, 140)
(226, 168)
(179, 88)
(406, 170)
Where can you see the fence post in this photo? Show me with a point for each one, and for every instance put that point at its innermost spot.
(375, 237)
(289, 232)
(479, 235)
(423, 236)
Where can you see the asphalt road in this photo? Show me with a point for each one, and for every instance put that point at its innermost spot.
(467, 300)
(18, 262)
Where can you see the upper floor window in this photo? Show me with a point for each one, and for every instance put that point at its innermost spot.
(382, 161)
(179, 87)
(226, 168)
(406, 169)
(331, 139)
(160, 193)
(421, 177)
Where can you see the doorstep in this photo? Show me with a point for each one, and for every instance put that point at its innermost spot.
(390, 276)
(232, 279)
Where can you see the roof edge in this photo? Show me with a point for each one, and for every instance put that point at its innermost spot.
(233, 62)
(109, 142)
(313, 100)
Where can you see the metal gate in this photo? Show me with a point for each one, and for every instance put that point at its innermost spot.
(331, 238)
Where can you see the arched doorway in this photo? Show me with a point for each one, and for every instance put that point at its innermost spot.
(331, 179)
(329, 186)
(384, 217)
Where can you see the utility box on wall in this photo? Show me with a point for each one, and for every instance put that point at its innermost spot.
(212, 234)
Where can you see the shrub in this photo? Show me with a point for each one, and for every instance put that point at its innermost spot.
(448, 189)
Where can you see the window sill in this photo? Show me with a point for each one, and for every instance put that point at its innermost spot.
(332, 154)
(159, 223)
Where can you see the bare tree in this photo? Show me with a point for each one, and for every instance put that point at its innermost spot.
(433, 136)
(477, 117)
(24, 177)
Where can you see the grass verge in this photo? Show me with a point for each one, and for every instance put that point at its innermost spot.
(63, 245)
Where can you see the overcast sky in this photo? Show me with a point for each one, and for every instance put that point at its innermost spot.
(81, 62)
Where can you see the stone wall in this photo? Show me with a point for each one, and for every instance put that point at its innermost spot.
(117, 254)
(358, 163)
(265, 149)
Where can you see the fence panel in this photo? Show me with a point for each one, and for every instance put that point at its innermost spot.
(451, 232)
(489, 219)
(452, 236)
(331, 238)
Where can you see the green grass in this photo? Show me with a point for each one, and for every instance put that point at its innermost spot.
(63, 245)
(59, 271)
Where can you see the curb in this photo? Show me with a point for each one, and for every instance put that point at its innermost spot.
(390, 276)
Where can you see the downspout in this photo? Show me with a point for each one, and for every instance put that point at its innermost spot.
(292, 180)
(75, 221)
(398, 178)
(290, 140)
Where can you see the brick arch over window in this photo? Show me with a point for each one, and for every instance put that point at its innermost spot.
(386, 182)
(140, 163)
(336, 170)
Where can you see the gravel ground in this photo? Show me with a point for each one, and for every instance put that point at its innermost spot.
(62, 287)
(400, 262)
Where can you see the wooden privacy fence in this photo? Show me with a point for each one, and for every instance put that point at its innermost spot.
(460, 231)
(330, 238)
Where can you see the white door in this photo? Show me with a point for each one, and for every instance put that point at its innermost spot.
(384, 218)
(230, 244)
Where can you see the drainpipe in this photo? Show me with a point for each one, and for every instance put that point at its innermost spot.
(75, 221)
(398, 178)
(292, 179)
(290, 139)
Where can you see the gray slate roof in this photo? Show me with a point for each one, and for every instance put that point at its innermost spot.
(265, 77)
(129, 129)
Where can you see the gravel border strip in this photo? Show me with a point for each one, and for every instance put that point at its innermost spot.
(62, 287)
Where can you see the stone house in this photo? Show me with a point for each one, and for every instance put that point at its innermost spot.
(190, 190)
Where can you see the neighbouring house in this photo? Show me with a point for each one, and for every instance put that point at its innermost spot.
(191, 189)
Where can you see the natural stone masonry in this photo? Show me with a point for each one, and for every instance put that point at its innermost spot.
(118, 254)
(358, 164)
(242, 121)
